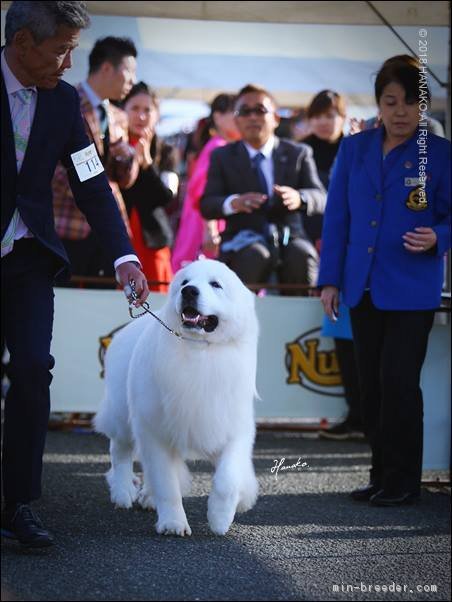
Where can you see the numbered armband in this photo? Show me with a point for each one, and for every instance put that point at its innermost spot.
(87, 163)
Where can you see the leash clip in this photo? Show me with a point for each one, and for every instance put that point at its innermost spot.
(132, 296)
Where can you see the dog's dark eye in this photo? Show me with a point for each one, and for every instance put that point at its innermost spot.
(184, 282)
(215, 284)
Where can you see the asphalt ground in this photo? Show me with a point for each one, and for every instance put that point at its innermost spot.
(304, 540)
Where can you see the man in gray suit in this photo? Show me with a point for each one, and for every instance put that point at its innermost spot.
(262, 186)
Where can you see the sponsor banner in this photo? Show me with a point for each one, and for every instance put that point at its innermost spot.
(298, 375)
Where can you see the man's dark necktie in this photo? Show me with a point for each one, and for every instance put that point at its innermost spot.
(104, 129)
(257, 167)
(271, 229)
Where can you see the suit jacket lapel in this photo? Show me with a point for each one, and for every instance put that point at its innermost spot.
(373, 160)
(408, 156)
(8, 148)
(9, 169)
(39, 138)
(242, 166)
(92, 120)
(280, 161)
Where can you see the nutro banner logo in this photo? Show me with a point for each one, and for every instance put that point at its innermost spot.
(311, 362)
(104, 343)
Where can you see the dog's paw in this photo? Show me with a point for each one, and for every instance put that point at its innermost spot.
(124, 498)
(219, 522)
(248, 496)
(146, 500)
(173, 527)
(123, 493)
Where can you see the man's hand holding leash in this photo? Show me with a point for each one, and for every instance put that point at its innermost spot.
(127, 272)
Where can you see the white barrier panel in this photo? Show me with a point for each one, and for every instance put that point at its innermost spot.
(297, 376)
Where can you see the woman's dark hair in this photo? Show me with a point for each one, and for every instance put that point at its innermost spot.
(142, 88)
(169, 157)
(223, 103)
(326, 100)
(404, 70)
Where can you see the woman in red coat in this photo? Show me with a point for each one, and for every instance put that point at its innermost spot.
(146, 200)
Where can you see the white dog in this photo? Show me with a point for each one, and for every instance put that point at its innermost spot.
(168, 399)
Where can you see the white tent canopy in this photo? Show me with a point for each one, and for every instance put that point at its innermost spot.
(326, 13)
(193, 50)
(350, 13)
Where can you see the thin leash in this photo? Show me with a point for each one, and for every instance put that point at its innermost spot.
(132, 296)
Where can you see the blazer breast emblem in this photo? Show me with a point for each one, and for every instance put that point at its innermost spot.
(417, 199)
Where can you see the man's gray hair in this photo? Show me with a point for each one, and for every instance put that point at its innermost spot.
(43, 18)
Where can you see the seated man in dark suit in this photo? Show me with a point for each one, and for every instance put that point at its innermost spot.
(262, 186)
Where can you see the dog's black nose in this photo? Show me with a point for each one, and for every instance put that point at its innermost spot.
(190, 292)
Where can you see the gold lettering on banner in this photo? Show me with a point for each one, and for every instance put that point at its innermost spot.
(104, 343)
(313, 368)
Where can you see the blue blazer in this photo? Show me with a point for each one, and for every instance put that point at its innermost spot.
(371, 204)
(57, 132)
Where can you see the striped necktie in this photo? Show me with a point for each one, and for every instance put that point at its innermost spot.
(21, 120)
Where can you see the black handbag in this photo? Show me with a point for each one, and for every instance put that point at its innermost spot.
(157, 232)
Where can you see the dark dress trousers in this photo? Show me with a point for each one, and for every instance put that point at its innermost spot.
(231, 172)
(29, 271)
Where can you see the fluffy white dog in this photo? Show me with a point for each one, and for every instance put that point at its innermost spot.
(168, 399)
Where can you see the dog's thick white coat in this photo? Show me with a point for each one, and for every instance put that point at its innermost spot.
(168, 400)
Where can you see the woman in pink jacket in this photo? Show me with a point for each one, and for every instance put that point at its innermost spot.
(195, 236)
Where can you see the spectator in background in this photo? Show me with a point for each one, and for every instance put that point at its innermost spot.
(351, 426)
(146, 199)
(112, 66)
(262, 187)
(168, 166)
(195, 235)
(300, 127)
(385, 234)
(193, 145)
(326, 114)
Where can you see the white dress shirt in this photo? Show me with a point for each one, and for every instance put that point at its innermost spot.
(12, 85)
(94, 99)
(266, 166)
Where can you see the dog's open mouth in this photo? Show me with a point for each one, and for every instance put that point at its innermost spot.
(191, 318)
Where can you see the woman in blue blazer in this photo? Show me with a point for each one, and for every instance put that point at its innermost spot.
(385, 233)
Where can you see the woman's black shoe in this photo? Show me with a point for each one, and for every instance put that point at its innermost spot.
(365, 493)
(21, 523)
(384, 498)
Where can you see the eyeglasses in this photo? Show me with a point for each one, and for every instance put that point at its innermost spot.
(245, 111)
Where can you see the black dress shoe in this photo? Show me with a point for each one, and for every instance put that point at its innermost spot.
(342, 432)
(21, 523)
(365, 493)
(385, 498)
